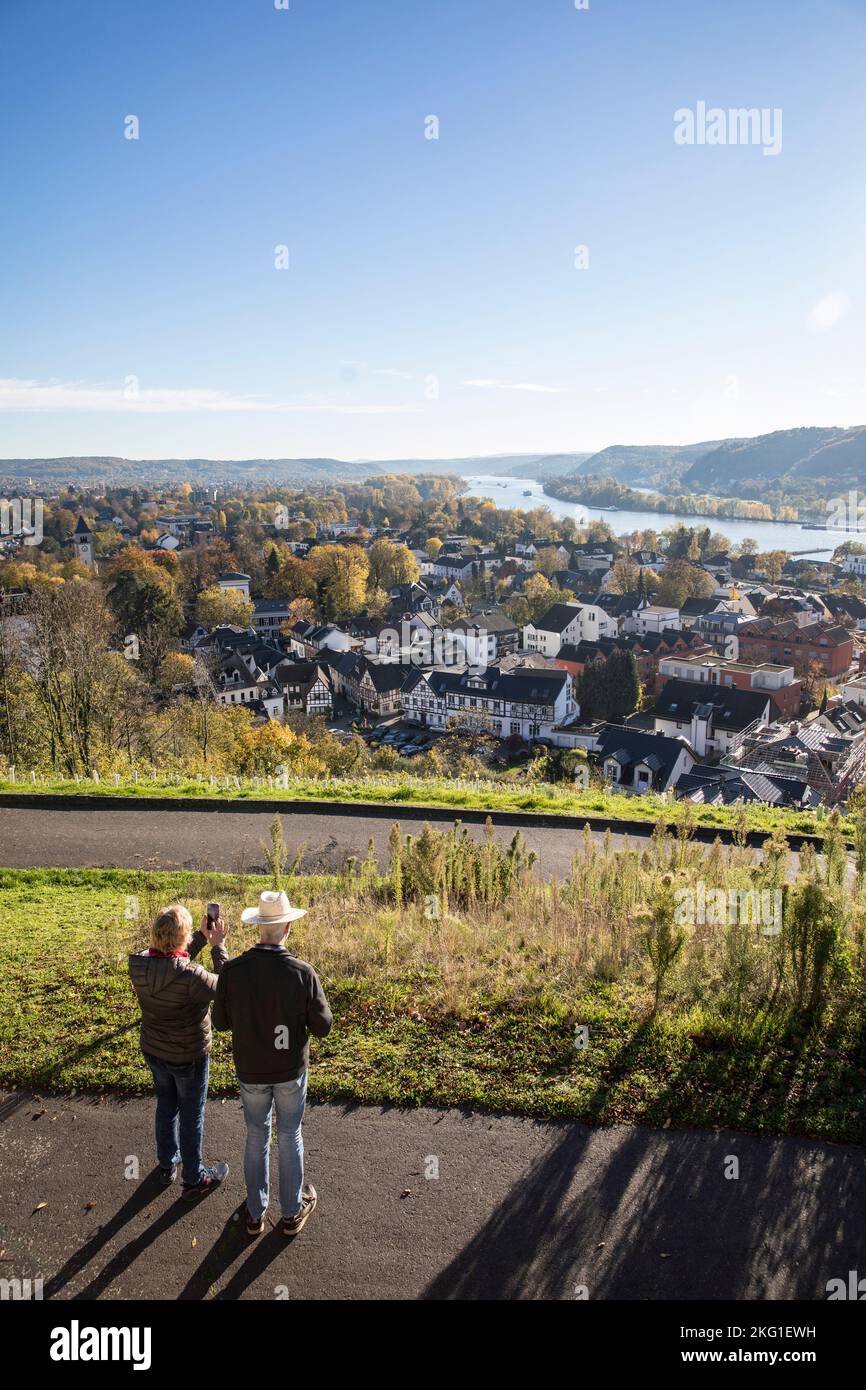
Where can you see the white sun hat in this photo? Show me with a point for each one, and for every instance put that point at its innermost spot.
(273, 909)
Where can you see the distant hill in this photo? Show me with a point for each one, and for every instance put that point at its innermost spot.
(822, 461)
(84, 471)
(503, 465)
(650, 465)
(803, 466)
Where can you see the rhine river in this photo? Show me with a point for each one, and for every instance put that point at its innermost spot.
(769, 535)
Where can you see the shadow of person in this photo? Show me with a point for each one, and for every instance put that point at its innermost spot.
(130, 1252)
(146, 1192)
(230, 1244)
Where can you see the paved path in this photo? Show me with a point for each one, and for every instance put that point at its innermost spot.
(226, 840)
(520, 1210)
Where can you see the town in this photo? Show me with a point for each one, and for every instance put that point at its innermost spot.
(400, 623)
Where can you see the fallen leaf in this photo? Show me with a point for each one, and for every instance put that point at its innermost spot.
(407, 1192)
(88, 1206)
(39, 1206)
(194, 1242)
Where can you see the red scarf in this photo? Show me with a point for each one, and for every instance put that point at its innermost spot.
(168, 955)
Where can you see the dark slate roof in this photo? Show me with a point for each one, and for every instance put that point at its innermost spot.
(845, 603)
(723, 786)
(347, 663)
(386, 675)
(526, 684)
(235, 664)
(617, 605)
(584, 651)
(849, 718)
(557, 618)
(232, 638)
(82, 528)
(730, 708)
(487, 620)
(631, 747)
(271, 605)
(696, 607)
(303, 673)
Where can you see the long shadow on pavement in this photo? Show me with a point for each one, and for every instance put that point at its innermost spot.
(146, 1192)
(791, 1221)
(230, 1244)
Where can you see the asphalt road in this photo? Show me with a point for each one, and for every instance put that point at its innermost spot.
(519, 1210)
(220, 840)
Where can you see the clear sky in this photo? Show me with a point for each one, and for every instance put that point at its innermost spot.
(432, 306)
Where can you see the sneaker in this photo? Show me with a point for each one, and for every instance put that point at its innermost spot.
(210, 1179)
(168, 1175)
(254, 1228)
(292, 1225)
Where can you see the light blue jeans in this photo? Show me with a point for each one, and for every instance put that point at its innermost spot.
(289, 1098)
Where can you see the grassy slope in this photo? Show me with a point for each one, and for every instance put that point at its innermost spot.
(433, 792)
(68, 1020)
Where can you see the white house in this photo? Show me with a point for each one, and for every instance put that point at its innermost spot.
(526, 703)
(240, 582)
(237, 685)
(654, 618)
(566, 624)
(711, 718)
(269, 614)
(855, 691)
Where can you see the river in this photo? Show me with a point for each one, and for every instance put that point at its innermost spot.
(769, 535)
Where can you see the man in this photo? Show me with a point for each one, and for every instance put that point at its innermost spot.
(175, 995)
(272, 1001)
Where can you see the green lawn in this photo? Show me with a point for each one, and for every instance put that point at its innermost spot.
(68, 1020)
(401, 789)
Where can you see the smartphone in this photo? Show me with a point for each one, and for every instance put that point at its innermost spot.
(213, 911)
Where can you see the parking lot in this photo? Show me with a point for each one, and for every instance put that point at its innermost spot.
(406, 739)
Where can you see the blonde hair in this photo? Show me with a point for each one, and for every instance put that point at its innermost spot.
(172, 929)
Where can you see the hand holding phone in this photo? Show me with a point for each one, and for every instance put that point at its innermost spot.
(214, 928)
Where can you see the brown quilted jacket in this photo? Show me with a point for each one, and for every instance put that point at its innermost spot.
(174, 995)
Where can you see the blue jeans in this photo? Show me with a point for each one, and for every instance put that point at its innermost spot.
(289, 1098)
(181, 1091)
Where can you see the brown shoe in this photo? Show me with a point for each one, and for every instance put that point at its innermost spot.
(292, 1225)
(254, 1228)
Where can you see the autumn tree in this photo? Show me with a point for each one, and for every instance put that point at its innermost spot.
(216, 607)
(682, 580)
(390, 564)
(341, 579)
(623, 577)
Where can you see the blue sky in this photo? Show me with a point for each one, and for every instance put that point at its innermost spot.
(432, 306)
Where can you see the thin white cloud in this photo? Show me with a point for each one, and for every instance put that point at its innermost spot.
(830, 310)
(491, 383)
(22, 395)
(392, 371)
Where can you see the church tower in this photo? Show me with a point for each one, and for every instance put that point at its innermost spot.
(82, 541)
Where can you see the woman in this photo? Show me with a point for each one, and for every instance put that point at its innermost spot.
(174, 995)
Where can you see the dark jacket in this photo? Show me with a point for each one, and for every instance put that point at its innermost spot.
(271, 1001)
(174, 995)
